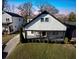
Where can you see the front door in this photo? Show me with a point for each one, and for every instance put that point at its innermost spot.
(44, 33)
(11, 28)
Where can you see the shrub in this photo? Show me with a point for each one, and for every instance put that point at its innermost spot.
(66, 40)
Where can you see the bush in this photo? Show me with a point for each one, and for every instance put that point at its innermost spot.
(73, 42)
(66, 40)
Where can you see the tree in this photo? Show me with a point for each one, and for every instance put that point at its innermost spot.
(5, 5)
(45, 6)
(12, 8)
(49, 8)
(25, 9)
(72, 17)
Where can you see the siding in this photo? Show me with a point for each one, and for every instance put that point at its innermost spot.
(17, 23)
(52, 25)
(4, 16)
(58, 36)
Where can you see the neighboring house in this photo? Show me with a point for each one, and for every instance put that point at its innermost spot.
(46, 26)
(71, 30)
(11, 22)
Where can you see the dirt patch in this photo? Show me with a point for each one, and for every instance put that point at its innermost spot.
(70, 46)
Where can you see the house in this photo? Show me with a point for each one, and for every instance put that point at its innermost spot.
(71, 30)
(11, 22)
(45, 26)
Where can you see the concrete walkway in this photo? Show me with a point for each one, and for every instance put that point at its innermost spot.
(11, 44)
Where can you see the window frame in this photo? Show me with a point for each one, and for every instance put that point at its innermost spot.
(15, 26)
(7, 19)
(55, 33)
(19, 19)
(42, 19)
(46, 19)
(32, 32)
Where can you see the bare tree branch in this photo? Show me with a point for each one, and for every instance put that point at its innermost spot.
(43, 5)
(5, 5)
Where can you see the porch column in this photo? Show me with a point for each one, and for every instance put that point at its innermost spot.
(25, 34)
(64, 34)
(40, 34)
(8, 31)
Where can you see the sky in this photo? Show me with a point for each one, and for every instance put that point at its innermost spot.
(64, 6)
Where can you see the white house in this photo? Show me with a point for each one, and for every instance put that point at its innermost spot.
(47, 26)
(11, 22)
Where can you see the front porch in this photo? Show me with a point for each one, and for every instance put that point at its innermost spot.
(44, 35)
(6, 28)
(35, 34)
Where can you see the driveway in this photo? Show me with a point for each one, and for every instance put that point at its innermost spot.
(11, 44)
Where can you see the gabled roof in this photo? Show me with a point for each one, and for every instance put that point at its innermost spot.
(70, 23)
(45, 12)
(12, 14)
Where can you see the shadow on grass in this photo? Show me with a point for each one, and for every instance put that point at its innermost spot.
(4, 54)
(3, 46)
(42, 41)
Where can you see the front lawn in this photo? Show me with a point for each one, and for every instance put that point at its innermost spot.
(43, 51)
(6, 38)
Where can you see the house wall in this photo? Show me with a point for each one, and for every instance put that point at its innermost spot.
(33, 33)
(4, 16)
(58, 35)
(74, 33)
(17, 23)
(50, 35)
(71, 32)
(29, 33)
(52, 25)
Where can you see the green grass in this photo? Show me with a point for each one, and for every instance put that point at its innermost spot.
(6, 38)
(43, 51)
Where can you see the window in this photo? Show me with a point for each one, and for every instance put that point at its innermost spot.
(42, 19)
(19, 19)
(11, 28)
(46, 19)
(55, 33)
(15, 26)
(7, 19)
(32, 32)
